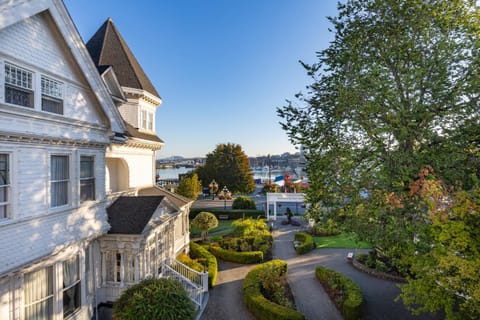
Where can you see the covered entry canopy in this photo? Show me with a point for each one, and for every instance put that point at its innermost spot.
(273, 198)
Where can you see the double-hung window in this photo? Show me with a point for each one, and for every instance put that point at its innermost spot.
(87, 178)
(4, 185)
(52, 95)
(18, 86)
(38, 294)
(59, 180)
(71, 286)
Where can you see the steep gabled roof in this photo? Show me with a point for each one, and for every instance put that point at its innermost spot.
(130, 215)
(108, 48)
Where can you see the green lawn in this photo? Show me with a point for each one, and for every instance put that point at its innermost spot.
(223, 225)
(343, 240)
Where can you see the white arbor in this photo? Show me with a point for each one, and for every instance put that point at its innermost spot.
(273, 198)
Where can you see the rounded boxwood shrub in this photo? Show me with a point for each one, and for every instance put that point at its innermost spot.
(349, 302)
(154, 299)
(244, 202)
(247, 257)
(261, 307)
(200, 252)
(305, 243)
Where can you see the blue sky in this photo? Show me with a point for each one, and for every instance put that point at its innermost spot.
(222, 67)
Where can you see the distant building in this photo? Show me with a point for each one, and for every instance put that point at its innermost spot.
(80, 216)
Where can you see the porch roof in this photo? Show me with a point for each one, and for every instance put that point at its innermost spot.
(130, 215)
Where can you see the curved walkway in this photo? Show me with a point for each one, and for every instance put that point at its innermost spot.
(226, 301)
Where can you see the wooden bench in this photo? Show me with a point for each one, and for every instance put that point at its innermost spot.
(223, 216)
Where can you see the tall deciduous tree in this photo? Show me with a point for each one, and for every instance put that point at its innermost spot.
(228, 165)
(190, 186)
(395, 92)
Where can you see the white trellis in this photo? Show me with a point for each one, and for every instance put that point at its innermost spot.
(281, 197)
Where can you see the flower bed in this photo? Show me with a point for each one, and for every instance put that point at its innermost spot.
(345, 293)
(257, 303)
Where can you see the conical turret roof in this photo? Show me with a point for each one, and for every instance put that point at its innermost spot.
(108, 48)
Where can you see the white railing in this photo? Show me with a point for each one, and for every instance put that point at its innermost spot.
(196, 283)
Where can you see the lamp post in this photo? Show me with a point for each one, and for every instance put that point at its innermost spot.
(225, 192)
(213, 188)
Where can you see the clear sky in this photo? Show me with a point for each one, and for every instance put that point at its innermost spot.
(222, 67)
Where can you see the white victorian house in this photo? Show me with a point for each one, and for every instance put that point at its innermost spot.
(80, 215)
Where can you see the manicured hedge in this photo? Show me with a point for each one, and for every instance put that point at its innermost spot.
(238, 257)
(200, 252)
(350, 301)
(258, 305)
(232, 214)
(307, 243)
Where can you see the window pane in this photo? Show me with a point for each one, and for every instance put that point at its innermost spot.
(18, 96)
(86, 167)
(59, 176)
(52, 105)
(87, 179)
(71, 300)
(38, 292)
(71, 285)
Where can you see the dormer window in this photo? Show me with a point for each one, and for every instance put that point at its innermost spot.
(18, 86)
(52, 95)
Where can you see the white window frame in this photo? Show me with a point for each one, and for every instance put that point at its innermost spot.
(67, 180)
(52, 90)
(19, 82)
(83, 179)
(7, 187)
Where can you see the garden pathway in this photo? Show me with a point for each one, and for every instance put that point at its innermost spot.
(226, 301)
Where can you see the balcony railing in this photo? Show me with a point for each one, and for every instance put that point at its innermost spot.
(196, 283)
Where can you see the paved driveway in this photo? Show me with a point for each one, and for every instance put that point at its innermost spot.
(226, 301)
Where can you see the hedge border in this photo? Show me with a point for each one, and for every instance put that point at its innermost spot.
(307, 243)
(248, 257)
(351, 306)
(258, 305)
(212, 265)
(232, 214)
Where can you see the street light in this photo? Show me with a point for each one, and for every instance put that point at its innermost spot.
(225, 192)
(213, 188)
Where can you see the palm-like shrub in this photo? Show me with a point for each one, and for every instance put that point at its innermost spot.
(154, 299)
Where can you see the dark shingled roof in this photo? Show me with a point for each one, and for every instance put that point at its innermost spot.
(135, 133)
(130, 215)
(108, 48)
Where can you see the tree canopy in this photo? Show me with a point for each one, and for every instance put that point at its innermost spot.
(205, 221)
(395, 94)
(190, 186)
(228, 165)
